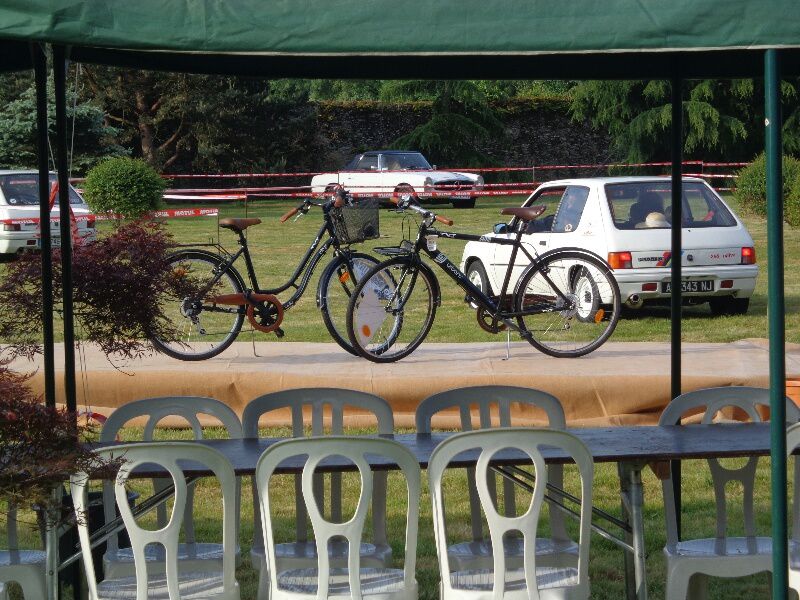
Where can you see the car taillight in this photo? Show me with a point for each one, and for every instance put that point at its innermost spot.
(12, 227)
(748, 255)
(620, 260)
(90, 223)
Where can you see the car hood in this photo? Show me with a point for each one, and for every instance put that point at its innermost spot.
(445, 175)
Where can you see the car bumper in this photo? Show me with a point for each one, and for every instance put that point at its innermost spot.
(18, 241)
(633, 282)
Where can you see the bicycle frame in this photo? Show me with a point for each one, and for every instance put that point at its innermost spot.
(494, 308)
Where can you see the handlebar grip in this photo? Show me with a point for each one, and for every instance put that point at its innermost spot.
(444, 220)
(289, 214)
(395, 200)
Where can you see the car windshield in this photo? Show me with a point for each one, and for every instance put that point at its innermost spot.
(405, 162)
(23, 189)
(648, 205)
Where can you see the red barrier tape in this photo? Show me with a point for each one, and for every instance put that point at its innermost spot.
(169, 214)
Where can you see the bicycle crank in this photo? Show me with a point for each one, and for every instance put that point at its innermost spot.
(264, 311)
(488, 323)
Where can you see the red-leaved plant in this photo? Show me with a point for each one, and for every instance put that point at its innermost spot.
(118, 281)
(40, 446)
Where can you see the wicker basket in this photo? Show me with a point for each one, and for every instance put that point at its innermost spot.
(357, 223)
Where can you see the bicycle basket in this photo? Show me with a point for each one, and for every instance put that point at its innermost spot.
(357, 223)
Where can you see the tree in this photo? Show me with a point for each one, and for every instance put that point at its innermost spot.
(461, 120)
(723, 119)
(90, 141)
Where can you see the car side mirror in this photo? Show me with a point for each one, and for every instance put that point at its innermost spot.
(500, 228)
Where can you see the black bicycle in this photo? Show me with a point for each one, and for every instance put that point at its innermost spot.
(209, 301)
(566, 302)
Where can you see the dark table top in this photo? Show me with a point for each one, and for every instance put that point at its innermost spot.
(607, 444)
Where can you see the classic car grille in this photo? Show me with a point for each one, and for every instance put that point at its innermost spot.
(452, 185)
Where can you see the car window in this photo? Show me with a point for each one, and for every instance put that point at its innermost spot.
(648, 205)
(368, 162)
(550, 198)
(410, 161)
(23, 189)
(570, 209)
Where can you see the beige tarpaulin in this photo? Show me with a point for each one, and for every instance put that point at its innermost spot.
(621, 383)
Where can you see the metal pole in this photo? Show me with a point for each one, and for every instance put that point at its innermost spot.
(60, 78)
(40, 72)
(776, 311)
(677, 257)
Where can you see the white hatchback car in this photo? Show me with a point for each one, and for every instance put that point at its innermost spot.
(19, 202)
(627, 221)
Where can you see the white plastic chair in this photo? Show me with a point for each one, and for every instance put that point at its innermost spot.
(192, 555)
(302, 552)
(353, 579)
(792, 442)
(690, 562)
(171, 584)
(26, 567)
(558, 549)
(530, 580)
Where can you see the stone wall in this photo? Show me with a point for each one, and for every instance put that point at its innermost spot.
(536, 133)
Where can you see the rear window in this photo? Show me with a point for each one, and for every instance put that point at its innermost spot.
(648, 205)
(23, 190)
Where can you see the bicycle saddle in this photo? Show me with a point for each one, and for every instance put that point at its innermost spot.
(524, 213)
(238, 225)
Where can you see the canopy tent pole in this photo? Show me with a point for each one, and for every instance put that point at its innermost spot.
(676, 297)
(40, 72)
(777, 326)
(60, 77)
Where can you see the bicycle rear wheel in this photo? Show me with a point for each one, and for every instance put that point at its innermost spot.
(195, 328)
(567, 303)
(336, 286)
(392, 310)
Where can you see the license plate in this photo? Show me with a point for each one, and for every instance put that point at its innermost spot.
(461, 196)
(55, 242)
(690, 286)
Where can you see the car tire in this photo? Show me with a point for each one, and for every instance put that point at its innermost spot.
(729, 305)
(476, 274)
(464, 203)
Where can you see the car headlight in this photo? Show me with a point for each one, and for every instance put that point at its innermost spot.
(479, 182)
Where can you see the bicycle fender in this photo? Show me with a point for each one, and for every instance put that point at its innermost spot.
(212, 256)
(327, 273)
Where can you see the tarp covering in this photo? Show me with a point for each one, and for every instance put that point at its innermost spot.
(303, 27)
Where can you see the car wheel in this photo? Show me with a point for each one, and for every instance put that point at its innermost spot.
(470, 203)
(404, 190)
(729, 305)
(476, 274)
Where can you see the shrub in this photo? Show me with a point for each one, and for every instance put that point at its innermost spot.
(792, 206)
(125, 186)
(751, 185)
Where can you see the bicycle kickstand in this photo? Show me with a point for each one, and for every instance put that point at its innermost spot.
(508, 344)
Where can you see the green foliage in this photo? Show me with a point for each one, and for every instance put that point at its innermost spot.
(125, 186)
(91, 140)
(461, 120)
(751, 188)
(722, 119)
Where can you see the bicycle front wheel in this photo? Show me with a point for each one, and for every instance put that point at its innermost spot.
(336, 286)
(392, 310)
(567, 304)
(195, 328)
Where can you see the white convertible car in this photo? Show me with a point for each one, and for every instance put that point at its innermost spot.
(386, 172)
(627, 221)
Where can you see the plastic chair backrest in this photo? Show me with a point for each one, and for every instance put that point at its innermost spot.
(527, 441)
(355, 450)
(166, 455)
(709, 402)
(792, 442)
(157, 409)
(315, 400)
(484, 398)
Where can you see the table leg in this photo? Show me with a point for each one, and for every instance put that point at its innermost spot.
(630, 477)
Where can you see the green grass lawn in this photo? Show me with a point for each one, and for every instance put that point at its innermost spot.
(606, 565)
(277, 248)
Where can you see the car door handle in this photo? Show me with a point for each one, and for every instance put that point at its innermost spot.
(542, 243)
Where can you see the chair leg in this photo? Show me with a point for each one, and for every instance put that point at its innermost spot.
(263, 582)
(698, 587)
(33, 586)
(677, 586)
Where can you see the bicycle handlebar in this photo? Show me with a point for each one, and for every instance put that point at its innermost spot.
(422, 211)
(291, 213)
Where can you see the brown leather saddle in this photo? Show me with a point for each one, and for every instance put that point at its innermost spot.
(238, 225)
(524, 213)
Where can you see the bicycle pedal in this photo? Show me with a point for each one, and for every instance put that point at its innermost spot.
(279, 332)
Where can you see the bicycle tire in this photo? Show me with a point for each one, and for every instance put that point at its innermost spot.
(584, 323)
(197, 337)
(371, 336)
(335, 289)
